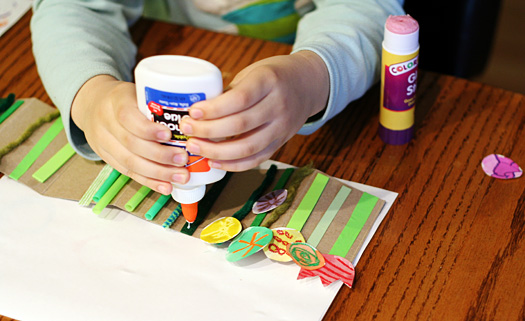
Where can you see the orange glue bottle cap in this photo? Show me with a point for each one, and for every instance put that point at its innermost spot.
(189, 211)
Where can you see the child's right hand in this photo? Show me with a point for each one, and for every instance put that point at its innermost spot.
(106, 110)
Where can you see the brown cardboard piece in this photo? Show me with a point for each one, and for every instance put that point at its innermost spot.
(74, 178)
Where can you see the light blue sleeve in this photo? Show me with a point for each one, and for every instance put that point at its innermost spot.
(347, 35)
(74, 41)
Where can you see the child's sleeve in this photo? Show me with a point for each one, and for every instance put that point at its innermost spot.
(74, 41)
(347, 35)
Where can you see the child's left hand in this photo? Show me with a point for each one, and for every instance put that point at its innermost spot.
(269, 101)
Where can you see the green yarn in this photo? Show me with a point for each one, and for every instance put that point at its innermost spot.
(28, 132)
(247, 207)
(295, 181)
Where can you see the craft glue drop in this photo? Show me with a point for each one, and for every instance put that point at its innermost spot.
(166, 88)
(398, 79)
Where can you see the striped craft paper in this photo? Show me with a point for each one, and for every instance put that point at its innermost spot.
(72, 182)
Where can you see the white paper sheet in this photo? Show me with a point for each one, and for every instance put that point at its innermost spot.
(11, 11)
(59, 261)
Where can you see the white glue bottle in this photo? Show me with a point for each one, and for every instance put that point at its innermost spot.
(167, 86)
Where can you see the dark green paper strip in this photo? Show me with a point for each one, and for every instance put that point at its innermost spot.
(7, 102)
(355, 224)
(106, 185)
(280, 185)
(247, 207)
(173, 217)
(136, 199)
(110, 194)
(54, 163)
(155, 208)
(39, 147)
(305, 208)
(206, 203)
(10, 110)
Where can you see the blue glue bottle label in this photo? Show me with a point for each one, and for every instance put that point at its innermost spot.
(168, 108)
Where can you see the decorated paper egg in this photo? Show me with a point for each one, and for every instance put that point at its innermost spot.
(221, 230)
(501, 167)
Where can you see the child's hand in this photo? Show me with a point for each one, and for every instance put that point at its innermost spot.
(106, 110)
(269, 101)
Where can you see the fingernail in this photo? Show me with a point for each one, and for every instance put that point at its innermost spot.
(186, 128)
(178, 178)
(196, 113)
(163, 135)
(193, 148)
(215, 164)
(163, 189)
(179, 159)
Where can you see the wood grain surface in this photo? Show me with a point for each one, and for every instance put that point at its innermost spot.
(452, 246)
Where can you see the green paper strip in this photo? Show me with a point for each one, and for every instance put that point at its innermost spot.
(106, 185)
(155, 208)
(305, 208)
(206, 203)
(39, 147)
(280, 185)
(54, 163)
(10, 110)
(173, 217)
(110, 194)
(136, 199)
(95, 185)
(247, 207)
(328, 216)
(360, 215)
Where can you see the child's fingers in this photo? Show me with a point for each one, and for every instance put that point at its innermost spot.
(242, 146)
(151, 150)
(143, 170)
(156, 185)
(243, 164)
(243, 95)
(134, 121)
(232, 125)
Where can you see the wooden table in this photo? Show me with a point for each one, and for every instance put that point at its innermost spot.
(453, 245)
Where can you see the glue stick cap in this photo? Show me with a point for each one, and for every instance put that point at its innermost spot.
(401, 35)
(188, 194)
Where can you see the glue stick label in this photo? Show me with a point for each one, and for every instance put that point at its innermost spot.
(400, 85)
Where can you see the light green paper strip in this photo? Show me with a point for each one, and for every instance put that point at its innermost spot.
(305, 208)
(95, 185)
(360, 215)
(110, 194)
(39, 147)
(10, 110)
(106, 185)
(136, 199)
(328, 216)
(154, 210)
(54, 163)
